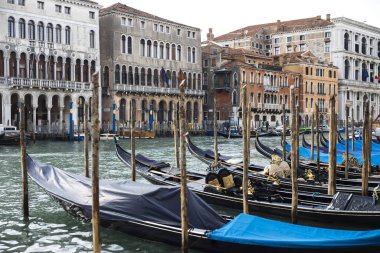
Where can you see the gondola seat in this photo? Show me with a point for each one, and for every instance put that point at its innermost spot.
(212, 183)
(231, 184)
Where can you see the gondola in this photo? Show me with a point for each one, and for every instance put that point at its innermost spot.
(323, 208)
(153, 212)
(9, 139)
(229, 135)
(344, 185)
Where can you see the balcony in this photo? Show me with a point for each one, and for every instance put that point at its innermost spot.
(272, 107)
(14, 82)
(359, 84)
(155, 90)
(271, 88)
(225, 86)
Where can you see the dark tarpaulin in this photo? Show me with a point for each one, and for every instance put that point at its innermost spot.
(124, 200)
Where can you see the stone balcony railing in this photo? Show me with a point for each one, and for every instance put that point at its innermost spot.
(271, 88)
(359, 84)
(271, 106)
(14, 82)
(157, 90)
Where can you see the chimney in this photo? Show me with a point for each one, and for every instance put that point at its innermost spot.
(210, 35)
(278, 25)
(328, 16)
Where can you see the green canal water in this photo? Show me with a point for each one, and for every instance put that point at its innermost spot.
(51, 229)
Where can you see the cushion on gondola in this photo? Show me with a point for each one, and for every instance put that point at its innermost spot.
(228, 181)
(214, 182)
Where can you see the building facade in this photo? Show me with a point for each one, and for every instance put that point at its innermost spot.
(141, 57)
(48, 51)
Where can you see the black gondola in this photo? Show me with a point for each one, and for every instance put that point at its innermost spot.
(229, 135)
(268, 200)
(352, 185)
(154, 213)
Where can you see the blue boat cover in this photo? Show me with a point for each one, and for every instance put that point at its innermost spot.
(253, 230)
(124, 200)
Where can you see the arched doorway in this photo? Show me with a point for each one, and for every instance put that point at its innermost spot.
(162, 108)
(14, 109)
(80, 115)
(29, 112)
(144, 111)
(122, 111)
(12, 65)
(196, 113)
(188, 112)
(42, 113)
(55, 117)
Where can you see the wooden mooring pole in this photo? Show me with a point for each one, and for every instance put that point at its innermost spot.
(133, 142)
(353, 131)
(25, 193)
(283, 132)
(86, 171)
(95, 136)
(332, 149)
(249, 119)
(184, 221)
(175, 135)
(317, 141)
(346, 144)
(312, 136)
(366, 154)
(294, 158)
(298, 135)
(216, 156)
(245, 149)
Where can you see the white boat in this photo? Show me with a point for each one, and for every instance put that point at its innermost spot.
(8, 130)
(108, 136)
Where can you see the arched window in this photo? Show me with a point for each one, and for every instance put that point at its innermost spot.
(149, 77)
(174, 79)
(137, 76)
(188, 54)
(155, 77)
(179, 53)
(117, 74)
(161, 50)
(234, 98)
(129, 45)
(155, 49)
(193, 55)
(346, 41)
(124, 75)
(130, 75)
(41, 31)
(49, 29)
(67, 35)
(58, 34)
(31, 30)
(194, 81)
(199, 81)
(149, 48)
(235, 80)
(21, 28)
(142, 47)
(11, 27)
(346, 69)
(92, 39)
(106, 82)
(364, 46)
(364, 72)
(123, 46)
(142, 76)
(167, 51)
(173, 51)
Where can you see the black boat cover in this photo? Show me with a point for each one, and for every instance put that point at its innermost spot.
(124, 200)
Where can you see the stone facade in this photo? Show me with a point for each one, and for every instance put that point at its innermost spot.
(48, 51)
(141, 57)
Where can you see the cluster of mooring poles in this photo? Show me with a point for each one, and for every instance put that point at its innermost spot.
(180, 151)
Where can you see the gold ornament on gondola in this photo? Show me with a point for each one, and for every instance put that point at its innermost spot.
(309, 176)
(352, 161)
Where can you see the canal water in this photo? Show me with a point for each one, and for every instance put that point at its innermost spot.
(51, 229)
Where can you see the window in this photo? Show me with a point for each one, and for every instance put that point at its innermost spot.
(188, 34)
(92, 39)
(21, 2)
(179, 32)
(161, 50)
(41, 31)
(130, 22)
(302, 47)
(58, 34)
(123, 44)
(306, 102)
(179, 53)
(91, 15)
(67, 10)
(142, 24)
(277, 50)
(149, 48)
(307, 71)
(327, 34)
(67, 35)
(40, 5)
(188, 54)
(123, 21)
(327, 47)
(155, 27)
(167, 29)
(289, 39)
(11, 27)
(142, 47)
(31, 30)
(58, 8)
(49, 29)
(11, 1)
(161, 28)
(302, 37)
(193, 35)
(288, 48)
(129, 45)
(21, 28)
(277, 40)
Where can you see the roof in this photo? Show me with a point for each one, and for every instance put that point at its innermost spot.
(122, 8)
(279, 26)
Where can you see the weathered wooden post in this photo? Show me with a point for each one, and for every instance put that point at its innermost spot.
(283, 132)
(175, 135)
(312, 136)
(216, 156)
(353, 131)
(298, 135)
(95, 136)
(182, 133)
(249, 119)
(332, 148)
(347, 141)
(25, 193)
(245, 149)
(317, 139)
(293, 164)
(365, 134)
(86, 171)
(133, 143)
